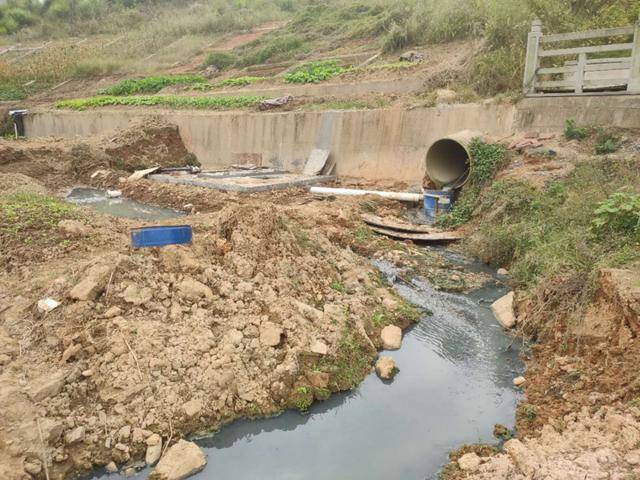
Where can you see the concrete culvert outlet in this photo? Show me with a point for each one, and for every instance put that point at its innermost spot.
(448, 160)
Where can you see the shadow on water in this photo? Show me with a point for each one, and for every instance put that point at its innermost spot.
(119, 207)
(454, 385)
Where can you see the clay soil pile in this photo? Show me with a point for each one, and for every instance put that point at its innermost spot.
(264, 311)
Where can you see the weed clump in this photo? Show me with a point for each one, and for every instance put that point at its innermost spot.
(574, 132)
(607, 143)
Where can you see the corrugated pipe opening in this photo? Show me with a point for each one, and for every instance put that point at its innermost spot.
(448, 161)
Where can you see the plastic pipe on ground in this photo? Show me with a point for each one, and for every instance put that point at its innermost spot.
(403, 197)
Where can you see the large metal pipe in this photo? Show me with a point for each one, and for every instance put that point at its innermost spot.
(403, 197)
(448, 160)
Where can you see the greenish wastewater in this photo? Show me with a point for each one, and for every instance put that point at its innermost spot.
(119, 207)
(454, 385)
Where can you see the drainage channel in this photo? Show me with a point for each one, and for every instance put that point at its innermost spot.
(454, 385)
(119, 207)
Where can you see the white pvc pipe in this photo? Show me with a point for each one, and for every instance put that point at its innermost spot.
(403, 197)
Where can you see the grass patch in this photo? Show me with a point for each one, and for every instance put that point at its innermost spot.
(238, 82)
(607, 143)
(151, 84)
(25, 212)
(171, 101)
(338, 287)
(351, 363)
(570, 229)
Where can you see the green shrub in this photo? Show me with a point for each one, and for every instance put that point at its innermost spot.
(573, 132)
(279, 47)
(607, 143)
(314, 72)
(620, 213)
(220, 60)
(171, 101)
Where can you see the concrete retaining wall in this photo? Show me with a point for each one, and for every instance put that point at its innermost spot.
(371, 144)
(386, 144)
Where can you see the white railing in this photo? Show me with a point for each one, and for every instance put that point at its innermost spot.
(579, 73)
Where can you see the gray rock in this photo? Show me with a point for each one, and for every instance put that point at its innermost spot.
(92, 284)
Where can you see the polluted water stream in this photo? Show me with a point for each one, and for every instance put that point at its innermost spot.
(119, 207)
(454, 384)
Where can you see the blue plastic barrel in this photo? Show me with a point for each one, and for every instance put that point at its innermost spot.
(161, 236)
(438, 201)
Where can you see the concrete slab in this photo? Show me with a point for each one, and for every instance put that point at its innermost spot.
(245, 184)
(316, 162)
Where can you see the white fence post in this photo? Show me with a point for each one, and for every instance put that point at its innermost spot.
(531, 62)
(634, 81)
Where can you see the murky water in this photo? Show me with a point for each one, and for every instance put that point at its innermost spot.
(119, 207)
(454, 385)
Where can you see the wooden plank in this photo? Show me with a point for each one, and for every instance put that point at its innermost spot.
(604, 67)
(597, 61)
(614, 47)
(582, 63)
(419, 237)
(395, 225)
(548, 71)
(602, 33)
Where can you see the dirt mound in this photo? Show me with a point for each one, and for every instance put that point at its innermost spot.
(146, 143)
(260, 314)
(603, 444)
(16, 182)
(61, 162)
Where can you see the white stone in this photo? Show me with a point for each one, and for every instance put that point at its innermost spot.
(114, 193)
(47, 305)
(469, 461)
(503, 311)
(179, 462)
(386, 368)
(391, 337)
(503, 272)
(519, 381)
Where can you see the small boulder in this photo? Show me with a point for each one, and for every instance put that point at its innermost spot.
(111, 467)
(192, 289)
(503, 311)
(74, 436)
(411, 56)
(469, 461)
(270, 334)
(503, 272)
(519, 381)
(386, 368)
(179, 462)
(319, 347)
(93, 283)
(391, 337)
(154, 449)
(192, 408)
